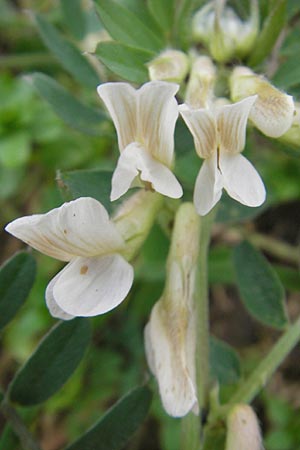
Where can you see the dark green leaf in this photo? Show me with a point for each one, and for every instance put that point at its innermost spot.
(52, 363)
(16, 279)
(220, 267)
(272, 27)
(67, 107)
(259, 286)
(182, 22)
(224, 362)
(125, 26)
(127, 62)
(117, 426)
(74, 17)
(288, 73)
(69, 56)
(88, 183)
(163, 13)
(230, 211)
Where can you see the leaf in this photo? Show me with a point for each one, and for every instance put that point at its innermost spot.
(119, 423)
(88, 183)
(67, 107)
(288, 73)
(52, 363)
(17, 276)
(74, 17)
(220, 266)
(272, 27)
(126, 27)
(224, 362)
(127, 62)
(162, 12)
(231, 211)
(15, 149)
(259, 286)
(68, 55)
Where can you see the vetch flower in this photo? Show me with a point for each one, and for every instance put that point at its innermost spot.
(200, 87)
(219, 136)
(273, 111)
(170, 65)
(145, 122)
(243, 432)
(170, 335)
(97, 278)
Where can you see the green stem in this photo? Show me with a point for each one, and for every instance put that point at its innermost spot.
(19, 427)
(22, 60)
(276, 248)
(263, 372)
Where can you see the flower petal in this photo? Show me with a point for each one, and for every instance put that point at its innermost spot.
(208, 187)
(202, 125)
(121, 101)
(232, 123)
(241, 180)
(134, 160)
(157, 115)
(53, 307)
(177, 390)
(92, 286)
(78, 228)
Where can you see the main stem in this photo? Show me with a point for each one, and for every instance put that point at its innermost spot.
(17, 424)
(191, 425)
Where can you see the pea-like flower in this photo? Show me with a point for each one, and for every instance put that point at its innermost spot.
(97, 277)
(219, 135)
(145, 122)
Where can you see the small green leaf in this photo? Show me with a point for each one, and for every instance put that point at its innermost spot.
(117, 426)
(231, 211)
(127, 27)
(272, 27)
(17, 276)
(52, 363)
(224, 362)
(69, 56)
(87, 183)
(67, 107)
(288, 73)
(74, 17)
(163, 13)
(259, 286)
(127, 62)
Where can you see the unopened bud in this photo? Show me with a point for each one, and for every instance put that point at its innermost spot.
(273, 111)
(292, 136)
(201, 83)
(170, 65)
(243, 432)
(135, 218)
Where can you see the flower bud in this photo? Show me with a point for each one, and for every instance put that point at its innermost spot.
(201, 82)
(243, 432)
(135, 218)
(170, 65)
(273, 111)
(292, 136)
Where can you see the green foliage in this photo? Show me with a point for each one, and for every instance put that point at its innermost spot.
(163, 13)
(17, 276)
(231, 211)
(127, 62)
(259, 286)
(118, 424)
(69, 56)
(74, 17)
(71, 110)
(224, 362)
(126, 26)
(52, 363)
(271, 29)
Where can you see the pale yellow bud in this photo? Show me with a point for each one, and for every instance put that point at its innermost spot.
(170, 65)
(292, 136)
(273, 111)
(201, 82)
(243, 432)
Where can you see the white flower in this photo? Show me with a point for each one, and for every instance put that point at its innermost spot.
(145, 121)
(170, 335)
(97, 278)
(219, 137)
(243, 432)
(169, 65)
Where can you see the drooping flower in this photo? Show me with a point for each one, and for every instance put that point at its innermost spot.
(273, 111)
(243, 431)
(170, 335)
(219, 136)
(97, 278)
(145, 121)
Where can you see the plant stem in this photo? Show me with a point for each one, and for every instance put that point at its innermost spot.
(22, 60)
(19, 427)
(263, 372)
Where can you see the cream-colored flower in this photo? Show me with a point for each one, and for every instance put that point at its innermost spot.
(170, 65)
(145, 122)
(219, 136)
(170, 335)
(97, 278)
(273, 111)
(243, 432)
